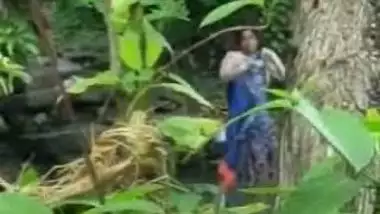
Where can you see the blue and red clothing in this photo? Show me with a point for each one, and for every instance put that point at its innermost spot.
(249, 141)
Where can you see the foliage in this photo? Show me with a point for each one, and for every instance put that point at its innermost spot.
(130, 47)
(15, 203)
(332, 124)
(322, 192)
(139, 46)
(278, 33)
(10, 71)
(227, 9)
(77, 24)
(17, 41)
(324, 189)
(189, 133)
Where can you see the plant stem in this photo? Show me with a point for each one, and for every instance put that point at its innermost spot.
(115, 65)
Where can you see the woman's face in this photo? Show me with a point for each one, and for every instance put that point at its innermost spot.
(249, 41)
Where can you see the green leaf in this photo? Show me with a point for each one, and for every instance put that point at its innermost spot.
(205, 188)
(132, 80)
(372, 123)
(279, 103)
(122, 6)
(356, 145)
(268, 190)
(320, 194)
(178, 79)
(81, 84)
(134, 192)
(249, 209)
(189, 132)
(14, 203)
(77, 201)
(130, 50)
(372, 120)
(321, 168)
(183, 89)
(185, 202)
(281, 93)
(28, 176)
(227, 9)
(3, 85)
(131, 205)
(13, 69)
(155, 44)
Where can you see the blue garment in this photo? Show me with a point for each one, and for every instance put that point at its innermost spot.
(249, 140)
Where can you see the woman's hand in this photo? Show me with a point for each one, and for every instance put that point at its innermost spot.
(233, 65)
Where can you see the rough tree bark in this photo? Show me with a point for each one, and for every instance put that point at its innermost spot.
(334, 53)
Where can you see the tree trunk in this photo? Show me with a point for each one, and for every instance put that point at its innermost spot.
(333, 61)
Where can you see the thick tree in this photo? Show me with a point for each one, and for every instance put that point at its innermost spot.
(334, 61)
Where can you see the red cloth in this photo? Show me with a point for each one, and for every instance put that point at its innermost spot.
(226, 176)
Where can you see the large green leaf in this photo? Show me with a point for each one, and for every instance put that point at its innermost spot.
(185, 203)
(183, 89)
(138, 206)
(227, 9)
(325, 192)
(189, 132)
(154, 43)
(130, 50)
(345, 132)
(82, 84)
(14, 203)
(352, 138)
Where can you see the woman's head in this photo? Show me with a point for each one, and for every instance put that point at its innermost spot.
(248, 41)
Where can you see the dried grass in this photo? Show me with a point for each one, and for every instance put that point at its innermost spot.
(121, 156)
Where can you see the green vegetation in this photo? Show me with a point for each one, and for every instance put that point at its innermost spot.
(138, 37)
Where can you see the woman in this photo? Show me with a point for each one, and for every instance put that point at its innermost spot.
(249, 152)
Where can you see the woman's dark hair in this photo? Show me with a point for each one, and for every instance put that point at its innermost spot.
(237, 37)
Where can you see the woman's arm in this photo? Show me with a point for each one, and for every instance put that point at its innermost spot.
(274, 65)
(233, 64)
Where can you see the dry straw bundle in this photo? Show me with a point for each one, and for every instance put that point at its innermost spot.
(121, 156)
